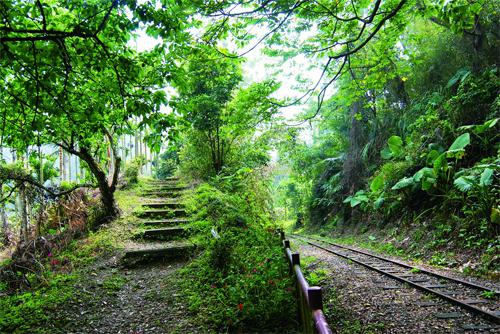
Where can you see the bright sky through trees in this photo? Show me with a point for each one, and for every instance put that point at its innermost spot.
(259, 67)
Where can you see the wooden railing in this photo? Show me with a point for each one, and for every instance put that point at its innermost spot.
(310, 300)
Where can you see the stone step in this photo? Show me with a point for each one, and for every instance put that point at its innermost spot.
(159, 205)
(149, 254)
(163, 194)
(162, 182)
(176, 221)
(167, 213)
(164, 233)
(162, 186)
(153, 188)
(168, 179)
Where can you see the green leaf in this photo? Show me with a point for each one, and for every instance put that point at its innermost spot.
(377, 184)
(460, 143)
(356, 199)
(440, 164)
(379, 202)
(355, 202)
(486, 177)
(426, 171)
(459, 76)
(479, 129)
(395, 145)
(386, 153)
(495, 216)
(403, 183)
(432, 156)
(428, 183)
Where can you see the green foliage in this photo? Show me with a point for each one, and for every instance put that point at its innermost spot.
(377, 184)
(403, 183)
(166, 165)
(394, 148)
(358, 198)
(220, 136)
(74, 79)
(317, 277)
(420, 129)
(488, 294)
(48, 172)
(459, 144)
(458, 77)
(242, 262)
(30, 311)
(114, 283)
(133, 169)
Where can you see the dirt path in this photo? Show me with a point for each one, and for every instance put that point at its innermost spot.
(113, 297)
(141, 300)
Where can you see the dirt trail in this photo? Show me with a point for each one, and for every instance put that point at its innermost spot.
(115, 298)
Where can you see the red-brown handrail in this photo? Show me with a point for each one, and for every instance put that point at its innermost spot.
(310, 297)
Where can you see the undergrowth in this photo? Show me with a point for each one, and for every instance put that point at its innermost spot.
(241, 279)
(31, 309)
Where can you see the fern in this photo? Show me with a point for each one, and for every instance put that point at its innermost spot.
(464, 183)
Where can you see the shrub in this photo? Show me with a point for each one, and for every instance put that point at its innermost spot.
(166, 165)
(133, 168)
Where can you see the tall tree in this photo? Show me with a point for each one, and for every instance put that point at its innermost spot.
(71, 78)
(204, 95)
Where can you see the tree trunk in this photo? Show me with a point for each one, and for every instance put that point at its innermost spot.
(353, 164)
(106, 187)
(478, 43)
(136, 145)
(61, 165)
(3, 215)
(42, 202)
(5, 224)
(24, 212)
(69, 168)
(213, 153)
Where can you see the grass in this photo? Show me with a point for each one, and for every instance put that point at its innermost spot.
(488, 294)
(114, 282)
(241, 279)
(30, 311)
(343, 320)
(368, 242)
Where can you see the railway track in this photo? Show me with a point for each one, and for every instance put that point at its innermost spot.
(465, 294)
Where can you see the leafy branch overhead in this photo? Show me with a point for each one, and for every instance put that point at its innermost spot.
(73, 80)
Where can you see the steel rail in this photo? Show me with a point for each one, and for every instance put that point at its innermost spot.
(422, 270)
(488, 315)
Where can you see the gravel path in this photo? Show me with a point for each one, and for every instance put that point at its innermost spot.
(380, 304)
(142, 300)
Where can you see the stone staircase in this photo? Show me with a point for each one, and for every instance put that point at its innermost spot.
(164, 218)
